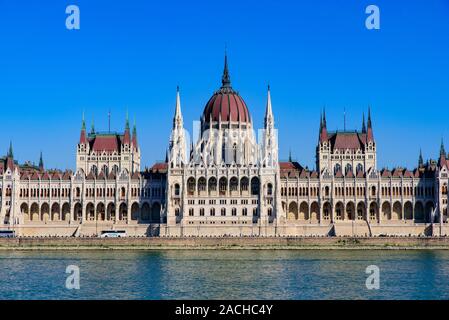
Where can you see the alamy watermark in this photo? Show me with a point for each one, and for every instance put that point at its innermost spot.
(72, 22)
(372, 22)
(373, 280)
(73, 280)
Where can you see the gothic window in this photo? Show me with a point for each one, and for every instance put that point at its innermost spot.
(177, 189)
(191, 186)
(269, 189)
(223, 212)
(337, 168)
(359, 167)
(255, 212)
(223, 185)
(234, 152)
(234, 212)
(94, 170)
(348, 168)
(105, 170)
(255, 184)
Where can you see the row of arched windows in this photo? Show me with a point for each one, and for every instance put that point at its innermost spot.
(233, 185)
(301, 191)
(223, 212)
(44, 192)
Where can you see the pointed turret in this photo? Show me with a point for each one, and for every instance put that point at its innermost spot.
(83, 139)
(323, 128)
(92, 128)
(420, 159)
(363, 123)
(10, 158)
(127, 135)
(270, 150)
(442, 160)
(226, 79)
(41, 163)
(134, 138)
(177, 147)
(177, 119)
(269, 119)
(370, 136)
(10, 152)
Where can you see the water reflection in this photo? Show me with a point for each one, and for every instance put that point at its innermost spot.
(225, 274)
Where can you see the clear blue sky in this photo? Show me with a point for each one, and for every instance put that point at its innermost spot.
(131, 55)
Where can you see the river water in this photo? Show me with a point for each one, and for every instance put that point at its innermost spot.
(225, 274)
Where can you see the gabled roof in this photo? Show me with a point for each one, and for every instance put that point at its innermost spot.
(35, 176)
(90, 176)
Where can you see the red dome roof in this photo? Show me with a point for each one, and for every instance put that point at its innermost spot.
(226, 103)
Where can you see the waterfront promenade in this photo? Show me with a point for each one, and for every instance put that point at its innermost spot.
(236, 243)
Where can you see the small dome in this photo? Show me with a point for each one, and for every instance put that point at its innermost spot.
(226, 103)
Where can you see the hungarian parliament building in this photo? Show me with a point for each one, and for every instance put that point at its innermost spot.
(227, 183)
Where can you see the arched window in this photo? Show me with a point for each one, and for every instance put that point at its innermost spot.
(269, 189)
(270, 212)
(348, 168)
(105, 170)
(359, 168)
(94, 170)
(337, 168)
(176, 189)
(233, 212)
(234, 152)
(212, 212)
(223, 212)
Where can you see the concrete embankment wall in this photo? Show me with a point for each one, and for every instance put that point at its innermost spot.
(227, 243)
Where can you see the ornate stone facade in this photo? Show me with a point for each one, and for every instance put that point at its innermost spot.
(227, 182)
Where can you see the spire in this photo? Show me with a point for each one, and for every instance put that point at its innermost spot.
(83, 139)
(126, 136)
(177, 120)
(420, 159)
(363, 124)
(127, 121)
(369, 117)
(370, 136)
(323, 127)
(269, 111)
(92, 128)
(10, 153)
(442, 150)
(134, 138)
(226, 79)
(83, 124)
(290, 155)
(41, 162)
(324, 117)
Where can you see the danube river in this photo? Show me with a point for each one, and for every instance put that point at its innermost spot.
(225, 274)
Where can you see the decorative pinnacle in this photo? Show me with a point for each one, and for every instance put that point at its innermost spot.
(226, 79)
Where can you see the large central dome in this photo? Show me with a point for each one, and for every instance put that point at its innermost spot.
(226, 104)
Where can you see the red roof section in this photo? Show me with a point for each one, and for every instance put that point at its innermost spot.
(108, 143)
(227, 105)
